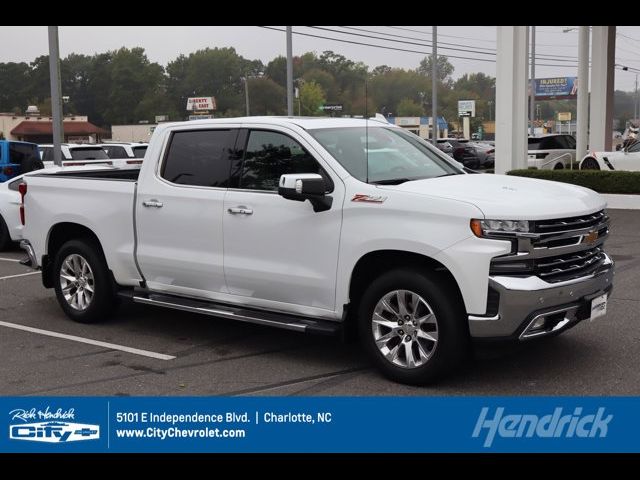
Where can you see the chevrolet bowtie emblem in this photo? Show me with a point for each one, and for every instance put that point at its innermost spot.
(590, 238)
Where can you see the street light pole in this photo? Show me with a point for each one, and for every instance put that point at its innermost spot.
(56, 94)
(635, 104)
(434, 85)
(246, 93)
(533, 79)
(289, 73)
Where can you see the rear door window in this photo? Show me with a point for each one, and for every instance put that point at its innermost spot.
(19, 152)
(200, 157)
(115, 151)
(138, 152)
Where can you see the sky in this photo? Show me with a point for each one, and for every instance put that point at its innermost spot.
(556, 46)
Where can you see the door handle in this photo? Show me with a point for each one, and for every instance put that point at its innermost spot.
(153, 203)
(241, 210)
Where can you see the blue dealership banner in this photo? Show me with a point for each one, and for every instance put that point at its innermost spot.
(557, 87)
(319, 424)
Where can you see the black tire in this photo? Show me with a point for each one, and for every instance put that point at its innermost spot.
(31, 164)
(589, 164)
(558, 166)
(103, 301)
(453, 337)
(5, 238)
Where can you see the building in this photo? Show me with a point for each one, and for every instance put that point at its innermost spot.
(33, 127)
(138, 132)
(421, 126)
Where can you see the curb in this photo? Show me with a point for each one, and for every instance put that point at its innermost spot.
(619, 201)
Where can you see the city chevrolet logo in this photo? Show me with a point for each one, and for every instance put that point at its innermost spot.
(53, 426)
(591, 237)
(54, 432)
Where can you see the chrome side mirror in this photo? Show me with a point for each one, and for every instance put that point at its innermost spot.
(305, 186)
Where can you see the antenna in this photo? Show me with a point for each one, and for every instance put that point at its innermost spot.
(366, 122)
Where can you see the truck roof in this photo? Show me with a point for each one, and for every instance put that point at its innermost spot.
(304, 122)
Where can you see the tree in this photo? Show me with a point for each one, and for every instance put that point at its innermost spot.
(389, 89)
(445, 69)
(311, 98)
(409, 108)
(266, 97)
(13, 86)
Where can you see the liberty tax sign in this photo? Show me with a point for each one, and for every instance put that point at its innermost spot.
(201, 103)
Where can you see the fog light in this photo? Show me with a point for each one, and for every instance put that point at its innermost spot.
(538, 324)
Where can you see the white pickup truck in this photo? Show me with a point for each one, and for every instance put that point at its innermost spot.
(320, 225)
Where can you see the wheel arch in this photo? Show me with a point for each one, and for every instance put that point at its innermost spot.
(58, 235)
(376, 262)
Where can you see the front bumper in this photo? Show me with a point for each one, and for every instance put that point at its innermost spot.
(526, 299)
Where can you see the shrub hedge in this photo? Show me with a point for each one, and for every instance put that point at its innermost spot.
(600, 181)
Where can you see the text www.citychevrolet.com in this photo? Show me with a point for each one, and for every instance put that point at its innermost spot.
(175, 432)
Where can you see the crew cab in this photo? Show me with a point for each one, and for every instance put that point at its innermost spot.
(324, 225)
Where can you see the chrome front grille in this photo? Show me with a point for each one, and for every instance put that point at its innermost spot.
(569, 266)
(557, 250)
(571, 223)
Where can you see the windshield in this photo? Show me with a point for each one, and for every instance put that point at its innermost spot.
(394, 156)
(88, 153)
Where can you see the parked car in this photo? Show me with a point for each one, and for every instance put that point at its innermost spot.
(125, 150)
(625, 159)
(76, 154)
(10, 201)
(317, 225)
(17, 157)
(10, 226)
(485, 153)
(552, 151)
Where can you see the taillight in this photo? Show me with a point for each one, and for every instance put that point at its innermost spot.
(22, 188)
(8, 170)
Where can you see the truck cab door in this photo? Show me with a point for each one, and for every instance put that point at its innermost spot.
(280, 254)
(179, 209)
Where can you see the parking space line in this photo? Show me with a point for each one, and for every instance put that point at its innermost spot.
(19, 275)
(9, 260)
(73, 338)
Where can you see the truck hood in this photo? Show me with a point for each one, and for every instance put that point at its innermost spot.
(506, 197)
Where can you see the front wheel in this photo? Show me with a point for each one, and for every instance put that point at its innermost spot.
(83, 283)
(412, 327)
(589, 164)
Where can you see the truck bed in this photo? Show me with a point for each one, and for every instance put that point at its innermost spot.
(101, 200)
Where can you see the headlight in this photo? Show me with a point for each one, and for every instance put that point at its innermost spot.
(487, 228)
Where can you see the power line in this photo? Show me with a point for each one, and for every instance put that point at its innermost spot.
(567, 58)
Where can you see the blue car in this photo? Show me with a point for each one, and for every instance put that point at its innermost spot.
(17, 158)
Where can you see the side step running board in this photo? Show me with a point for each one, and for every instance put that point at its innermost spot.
(278, 320)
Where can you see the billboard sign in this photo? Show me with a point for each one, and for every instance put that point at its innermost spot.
(557, 87)
(201, 103)
(564, 116)
(466, 108)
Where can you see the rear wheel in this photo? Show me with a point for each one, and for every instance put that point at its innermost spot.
(83, 283)
(589, 164)
(5, 238)
(558, 166)
(411, 327)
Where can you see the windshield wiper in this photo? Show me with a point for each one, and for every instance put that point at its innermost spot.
(446, 175)
(391, 181)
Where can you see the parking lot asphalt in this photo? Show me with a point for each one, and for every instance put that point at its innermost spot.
(208, 356)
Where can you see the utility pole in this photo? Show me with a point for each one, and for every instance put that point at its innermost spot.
(636, 111)
(533, 80)
(289, 73)
(582, 130)
(56, 94)
(246, 93)
(434, 84)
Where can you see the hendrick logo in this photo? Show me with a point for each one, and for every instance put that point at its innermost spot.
(554, 425)
(52, 427)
